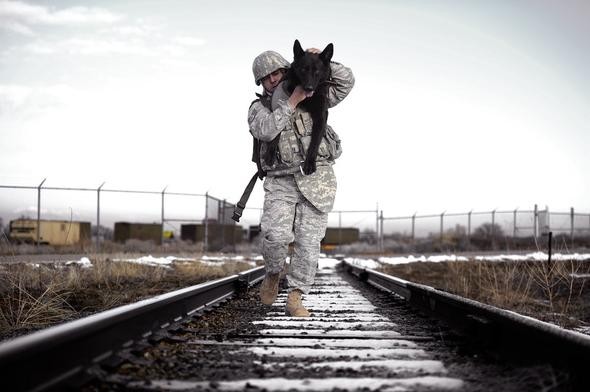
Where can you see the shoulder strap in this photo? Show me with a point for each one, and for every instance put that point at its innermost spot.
(266, 102)
(239, 208)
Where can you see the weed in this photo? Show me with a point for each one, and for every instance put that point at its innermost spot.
(36, 296)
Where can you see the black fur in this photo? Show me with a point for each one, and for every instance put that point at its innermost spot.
(312, 71)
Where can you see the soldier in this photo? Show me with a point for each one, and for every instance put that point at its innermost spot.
(296, 206)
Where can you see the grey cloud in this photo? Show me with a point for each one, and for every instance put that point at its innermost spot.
(21, 17)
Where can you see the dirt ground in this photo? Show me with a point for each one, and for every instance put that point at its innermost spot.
(557, 293)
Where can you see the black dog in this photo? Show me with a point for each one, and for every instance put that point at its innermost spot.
(311, 71)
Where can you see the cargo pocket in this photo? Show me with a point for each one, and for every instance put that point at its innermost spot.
(287, 147)
(323, 151)
(333, 143)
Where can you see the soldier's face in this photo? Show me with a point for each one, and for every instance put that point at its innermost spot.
(271, 81)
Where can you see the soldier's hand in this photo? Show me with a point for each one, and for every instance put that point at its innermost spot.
(314, 50)
(297, 96)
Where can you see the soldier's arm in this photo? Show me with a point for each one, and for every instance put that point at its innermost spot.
(264, 124)
(344, 81)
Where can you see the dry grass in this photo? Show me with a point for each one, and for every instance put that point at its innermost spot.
(34, 297)
(549, 293)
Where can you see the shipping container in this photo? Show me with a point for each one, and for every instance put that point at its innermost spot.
(341, 236)
(138, 231)
(52, 232)
(218, 236)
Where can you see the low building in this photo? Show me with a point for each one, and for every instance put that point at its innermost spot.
(138, 231)
(51, 232)
(218, 236)
(341, 235)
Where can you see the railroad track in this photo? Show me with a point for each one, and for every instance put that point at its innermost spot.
(358, 338)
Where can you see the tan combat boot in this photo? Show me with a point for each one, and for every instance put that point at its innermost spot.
(294, 306)
(269, 289)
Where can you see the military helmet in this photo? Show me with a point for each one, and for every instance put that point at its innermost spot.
(266, 63)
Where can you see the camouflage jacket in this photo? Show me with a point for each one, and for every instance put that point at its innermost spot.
(294, 126)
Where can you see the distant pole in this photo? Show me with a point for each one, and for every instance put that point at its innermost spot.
(442, 225)
(381, 232)
(163, 218)
(205, 241)
(377, 234)
(572, 216)
(39, 213)
(98, 217)
(514, 224)
(223, 226)
(414, 227)
(494, 229)
(536, 222)
(469, 227)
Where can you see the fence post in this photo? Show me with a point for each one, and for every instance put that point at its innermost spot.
(469, 227)
(98, 217)
(493, 229)
(222, 220)
(377, 233)
(441, 226)
(381, 232)
(572, 216)
(414, 228)
(206, 240)
(536, 222)
(163, 218)
(39, 213)
(514, 225)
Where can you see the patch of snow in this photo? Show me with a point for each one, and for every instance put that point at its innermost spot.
(536, 256)
(412, 259)
(152, 261)
(327, 262)
(366, 263)
(84, 262)
(222, 258)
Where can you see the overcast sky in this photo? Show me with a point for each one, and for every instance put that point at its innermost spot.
(458, 105)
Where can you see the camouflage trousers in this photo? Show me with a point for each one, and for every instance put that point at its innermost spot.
(288, 216)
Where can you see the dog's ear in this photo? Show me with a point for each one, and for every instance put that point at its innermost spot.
(297, 49)
(327, 54)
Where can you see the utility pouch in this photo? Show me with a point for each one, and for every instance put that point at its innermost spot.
(333, 143)
(288, 147)
(323, 151)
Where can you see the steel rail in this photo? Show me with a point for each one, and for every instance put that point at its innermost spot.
(51, 358)
(499, 331)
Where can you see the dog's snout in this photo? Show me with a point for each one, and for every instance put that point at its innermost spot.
(308, 88)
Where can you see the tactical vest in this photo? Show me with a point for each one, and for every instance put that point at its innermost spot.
(294, 141)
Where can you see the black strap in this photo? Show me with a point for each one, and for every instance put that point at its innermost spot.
(239, 208)
(260, 173)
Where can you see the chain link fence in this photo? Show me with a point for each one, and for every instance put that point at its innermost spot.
(206, 219)
(202, 218)
(508, 229)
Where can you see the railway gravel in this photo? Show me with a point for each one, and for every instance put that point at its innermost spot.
(358, 339)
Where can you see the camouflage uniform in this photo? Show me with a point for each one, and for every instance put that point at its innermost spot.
(296, 206)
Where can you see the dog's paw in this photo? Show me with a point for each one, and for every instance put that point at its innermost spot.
(308, 168)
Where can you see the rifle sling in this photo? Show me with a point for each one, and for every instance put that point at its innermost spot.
(239, 208)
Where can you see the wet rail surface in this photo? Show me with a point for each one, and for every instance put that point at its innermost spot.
(358, 338)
